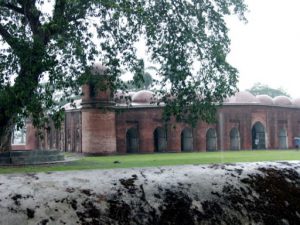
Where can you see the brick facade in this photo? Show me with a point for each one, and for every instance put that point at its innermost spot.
(104, 131)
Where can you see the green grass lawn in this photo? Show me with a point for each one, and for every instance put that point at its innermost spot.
(162, 159)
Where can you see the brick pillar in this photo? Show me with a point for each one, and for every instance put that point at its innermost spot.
(174, 138)
(246, 133)
(220, 133)
(98, 131)
(146, 137)
(31, 137)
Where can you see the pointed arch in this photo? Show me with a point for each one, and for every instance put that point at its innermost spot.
(187, 140)
(258, 136)
(211, 140)
(283, 139)
(132, 140)
(160, 139)
(235, 143)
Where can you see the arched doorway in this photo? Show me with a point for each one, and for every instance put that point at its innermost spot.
(132, 140)
(18, 136)
(187, 140)
(235, 143)
(211, 140)
(258, 136)
(160, 140)
(283, 139)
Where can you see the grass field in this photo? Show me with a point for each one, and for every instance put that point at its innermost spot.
(162, 159)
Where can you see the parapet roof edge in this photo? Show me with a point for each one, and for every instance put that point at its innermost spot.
(141, 106)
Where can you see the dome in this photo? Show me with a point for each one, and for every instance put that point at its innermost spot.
(282, 100)
(98, 69)
(265, 99)
(296, 102)
(243, 97)
(143, 97)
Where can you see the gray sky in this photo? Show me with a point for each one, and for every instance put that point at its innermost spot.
(267, 48)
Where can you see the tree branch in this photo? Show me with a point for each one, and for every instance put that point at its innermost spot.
(8, 38)
(55, 25)
(16, 45)
(33, 16)
(63, 15)
(12, 7)
(59, 9)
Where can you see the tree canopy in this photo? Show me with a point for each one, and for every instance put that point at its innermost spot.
(263, 89)
(58, 40)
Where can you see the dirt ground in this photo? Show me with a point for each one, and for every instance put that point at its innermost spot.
(245, 193)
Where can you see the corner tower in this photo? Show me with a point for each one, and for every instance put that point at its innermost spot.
(98, 116)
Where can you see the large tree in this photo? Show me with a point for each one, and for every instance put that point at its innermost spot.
(55, 41)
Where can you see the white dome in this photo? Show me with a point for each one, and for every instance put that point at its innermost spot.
(242, 97)
(265, 99)
(282, 100)
(143, 97)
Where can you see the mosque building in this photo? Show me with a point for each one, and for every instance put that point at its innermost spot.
(103, 124)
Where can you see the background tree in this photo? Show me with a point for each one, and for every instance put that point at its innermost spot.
(57, 40)
(142, 79)
(263, 89)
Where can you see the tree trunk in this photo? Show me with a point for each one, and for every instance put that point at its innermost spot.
(6, 131)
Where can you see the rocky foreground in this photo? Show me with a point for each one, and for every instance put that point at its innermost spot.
(248, 193)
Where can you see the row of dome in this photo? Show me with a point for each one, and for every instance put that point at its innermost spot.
(148, 97)
(242, 97)
(246, 97)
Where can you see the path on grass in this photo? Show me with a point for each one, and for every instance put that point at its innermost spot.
(244, 193)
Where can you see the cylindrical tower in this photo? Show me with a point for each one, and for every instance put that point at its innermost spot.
(98, 116)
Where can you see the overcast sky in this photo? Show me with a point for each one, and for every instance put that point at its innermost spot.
(267, 48)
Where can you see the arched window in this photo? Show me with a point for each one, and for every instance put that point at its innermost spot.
(283, 139)
(211, 140)
(132, 140)
(187, 140)
(160, 140)
(235, 143)
(258, 136)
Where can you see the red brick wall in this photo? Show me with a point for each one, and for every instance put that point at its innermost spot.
(242, 117)
(146, 120)
(273, 118)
